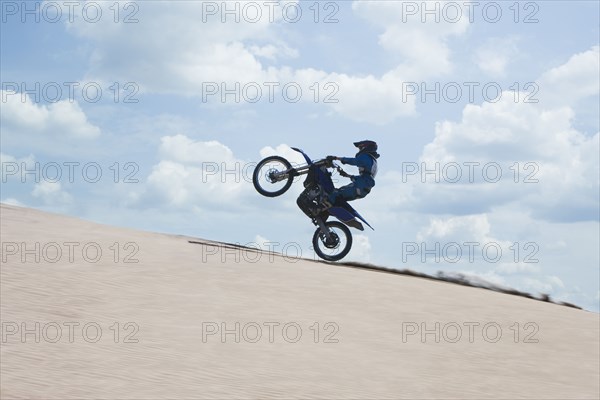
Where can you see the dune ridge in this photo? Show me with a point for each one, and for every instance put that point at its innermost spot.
(457, 278)
(154, 316)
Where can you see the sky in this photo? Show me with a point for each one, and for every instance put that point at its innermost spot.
(152, 114)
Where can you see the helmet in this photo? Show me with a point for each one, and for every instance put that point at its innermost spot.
(367, 146)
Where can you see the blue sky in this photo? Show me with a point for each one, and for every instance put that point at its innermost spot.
(369, 58)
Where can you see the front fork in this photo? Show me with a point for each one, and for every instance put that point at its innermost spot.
(277, 176)
(320, 222)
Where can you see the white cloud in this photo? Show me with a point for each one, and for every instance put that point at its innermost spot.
(496, 54)
(13, 202)
(27, 162)
(459, 240)
(284, 151)
(51, 193)
(555, 281)
(561, 162)
(369, 99)
(182, 149)
(171, 181)
(458, 229)
(421, 48)
(508, 131)
(361, 248)
(63, 119)
(372, 99)
(565, 187)
(17, 171)
(272, 52)
(208, 176)
(423, 45)
(190, 56)
(196, 173)
(573, 81)
(175, 46)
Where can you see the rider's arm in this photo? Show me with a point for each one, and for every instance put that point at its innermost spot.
(362, 161)
(349, 160)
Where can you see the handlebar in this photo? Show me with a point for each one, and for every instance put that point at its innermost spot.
(331, 164)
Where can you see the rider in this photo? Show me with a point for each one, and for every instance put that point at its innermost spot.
(366, 161)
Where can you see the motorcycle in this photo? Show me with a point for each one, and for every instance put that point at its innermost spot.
(332, 240)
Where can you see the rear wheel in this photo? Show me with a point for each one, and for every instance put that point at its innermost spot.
(336, 245)
(271, 176)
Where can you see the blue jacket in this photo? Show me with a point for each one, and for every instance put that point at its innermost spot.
(367, 167)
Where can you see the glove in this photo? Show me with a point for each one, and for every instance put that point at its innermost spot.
(330, 158)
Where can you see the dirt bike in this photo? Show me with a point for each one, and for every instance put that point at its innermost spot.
(332, 240)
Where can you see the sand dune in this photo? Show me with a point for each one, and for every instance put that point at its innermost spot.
(196, 321)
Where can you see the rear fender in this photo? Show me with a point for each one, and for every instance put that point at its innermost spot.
(346, 217)
(355, 213)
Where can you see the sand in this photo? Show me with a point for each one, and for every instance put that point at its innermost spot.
(195, 321)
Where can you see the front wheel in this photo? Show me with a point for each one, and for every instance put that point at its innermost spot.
(336, 245)
(272, 176)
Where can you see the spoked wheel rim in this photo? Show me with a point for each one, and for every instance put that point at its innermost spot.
(337, 245)
(333, 242)
(269, 177)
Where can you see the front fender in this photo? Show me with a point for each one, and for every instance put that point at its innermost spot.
(306, 157)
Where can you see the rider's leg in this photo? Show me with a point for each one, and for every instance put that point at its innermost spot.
(349, 192)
